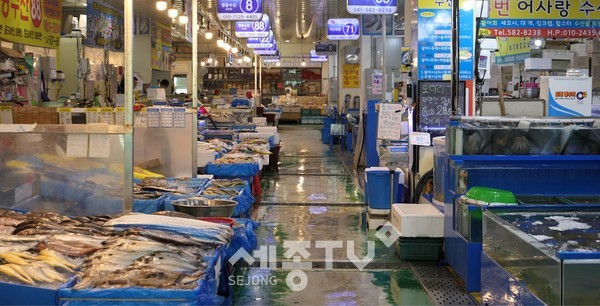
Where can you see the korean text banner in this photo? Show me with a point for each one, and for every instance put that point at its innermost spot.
(543, 18)
(161, 42)
(512, 50)
(105, 26)
(31, 22)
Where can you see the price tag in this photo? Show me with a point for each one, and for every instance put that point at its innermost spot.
(6, 115)
(420, 139)
(166, 117)
(179, 117)
(77, 145)
(141, 118)
(99, 145)
(91, 115)
(64, 115)
(153, 116)
(120, 116)
(106, 115)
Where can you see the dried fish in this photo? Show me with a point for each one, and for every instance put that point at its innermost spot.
(7, 270)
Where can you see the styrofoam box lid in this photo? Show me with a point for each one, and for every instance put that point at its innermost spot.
(207, 152)
(377, 169)
(206, 176)
(417, 220)
(440, 140)
(266, 129)
(255, 135)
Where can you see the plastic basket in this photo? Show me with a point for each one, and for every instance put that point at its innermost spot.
(419, 248)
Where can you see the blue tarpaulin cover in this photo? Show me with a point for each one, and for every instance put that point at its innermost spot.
(232, 170)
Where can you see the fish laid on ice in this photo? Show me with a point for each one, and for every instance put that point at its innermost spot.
(51, 261)
(8, 271)
(10, 258)
(37, 275)
(59, 257)
(22, 272)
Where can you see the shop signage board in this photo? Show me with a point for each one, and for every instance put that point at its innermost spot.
(236, 10)
(264, 42)
(266, 51)
(325, 49)
(567, 96)
(161, 42)
(271, 59)
(547, 18)
(351, 76)
(343, 29)
(105, 26)
(260, 28)
(35, 23)
(435, 40)
(512, 50)
(317, 58)
(366, 7)
(435, 106)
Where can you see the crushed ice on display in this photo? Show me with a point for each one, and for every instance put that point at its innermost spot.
(541, 237)
(567, 223)
(537, 223)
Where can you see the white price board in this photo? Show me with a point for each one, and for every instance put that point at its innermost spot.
(141, 118)
(64, 115)
(77, 145)
(179, 117)
(6, 115)
(91, 115)
(106, 115)
(120, 116)
(166, 117)
(420, 139)
(99, 145)
(389, 125)
(153, 116)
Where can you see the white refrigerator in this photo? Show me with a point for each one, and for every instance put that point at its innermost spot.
(567, 96)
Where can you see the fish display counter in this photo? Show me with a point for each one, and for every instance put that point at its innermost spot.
(133, 258)
(544, 161)
(74, 170)
(534, 257)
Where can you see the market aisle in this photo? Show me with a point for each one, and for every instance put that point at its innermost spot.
(314, 200)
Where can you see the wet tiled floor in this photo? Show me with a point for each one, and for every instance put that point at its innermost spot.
(314, 202)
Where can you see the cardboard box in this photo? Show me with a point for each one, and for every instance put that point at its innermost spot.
(538, 64)
(580, 62)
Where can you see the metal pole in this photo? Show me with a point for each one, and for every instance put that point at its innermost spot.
(128, 75)
(454, 81)
(255, 75)
(260, 77)
(194, 87)
(383, 72)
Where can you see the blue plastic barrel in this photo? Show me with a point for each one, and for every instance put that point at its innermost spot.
(379, 187)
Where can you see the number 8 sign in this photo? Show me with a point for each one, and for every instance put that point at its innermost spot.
(250, 6)
(237, 10)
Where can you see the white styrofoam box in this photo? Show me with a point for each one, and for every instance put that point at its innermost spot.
(266, 159)
(538, 63)
(205, 176)
(266, 129)
(558, 54)
(580, 62)
(205, 157)
(156, 94)
(260, 121)
(417, 220)
(579, 49)
(276, 139)
(201, 145)
(255, 135)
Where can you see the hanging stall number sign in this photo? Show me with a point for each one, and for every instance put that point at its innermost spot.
(259, 28)
(267, 51)
(264, 42)
(317, 58)
(343, 29)
(233, 10)
(64, 115)
(366, 7)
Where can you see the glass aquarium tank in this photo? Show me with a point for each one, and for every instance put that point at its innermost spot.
(524, 136)
(553, 253)
(68, 169)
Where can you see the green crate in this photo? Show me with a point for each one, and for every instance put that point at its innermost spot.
(315, 111)
(305, 111)
(409, 248)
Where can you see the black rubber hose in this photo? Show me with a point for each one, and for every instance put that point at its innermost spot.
(421, 185)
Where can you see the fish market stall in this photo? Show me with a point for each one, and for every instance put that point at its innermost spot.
(536, 159)
(541, 256)
(132, 258)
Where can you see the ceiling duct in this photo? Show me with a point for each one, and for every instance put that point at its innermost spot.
(352, 54)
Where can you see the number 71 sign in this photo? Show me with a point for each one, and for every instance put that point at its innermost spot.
(343, 29)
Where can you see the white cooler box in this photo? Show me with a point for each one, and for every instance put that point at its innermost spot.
(260, 121)
(205, 157)
(418, 220)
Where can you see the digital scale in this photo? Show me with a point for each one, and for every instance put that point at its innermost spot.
(394, 156)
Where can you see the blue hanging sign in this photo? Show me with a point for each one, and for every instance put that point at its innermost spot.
(234, 10)
(264, 42)
(266, 51)
(367, 7)
(343, 29)
(244, 29)
(317, 58)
